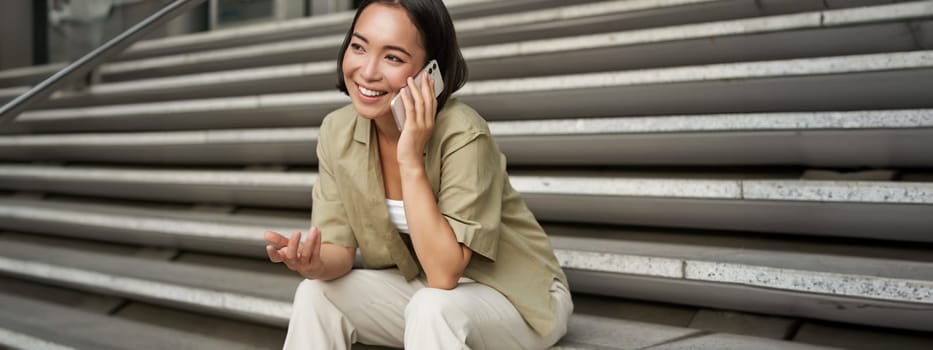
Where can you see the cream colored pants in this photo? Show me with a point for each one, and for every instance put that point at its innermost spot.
(378, 307)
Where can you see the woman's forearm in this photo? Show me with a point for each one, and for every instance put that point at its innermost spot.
(336, 261)
(441, 255)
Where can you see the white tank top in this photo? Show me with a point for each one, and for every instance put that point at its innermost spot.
(397, 215)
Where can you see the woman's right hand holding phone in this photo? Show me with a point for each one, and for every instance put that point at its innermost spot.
(302, 257)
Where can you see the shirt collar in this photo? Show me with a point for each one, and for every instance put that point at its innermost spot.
(361, 131)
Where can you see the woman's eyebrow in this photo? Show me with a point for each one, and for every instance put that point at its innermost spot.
(390, 47)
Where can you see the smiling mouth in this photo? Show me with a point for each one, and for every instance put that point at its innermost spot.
(370, 93)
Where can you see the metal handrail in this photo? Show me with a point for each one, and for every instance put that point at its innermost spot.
(90, 61)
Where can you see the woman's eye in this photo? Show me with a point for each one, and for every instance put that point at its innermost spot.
(394, 58)
(356, 47)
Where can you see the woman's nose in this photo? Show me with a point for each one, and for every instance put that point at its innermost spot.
(370, 70)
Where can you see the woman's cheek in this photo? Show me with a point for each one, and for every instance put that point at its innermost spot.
(349, 64)
(399, 79)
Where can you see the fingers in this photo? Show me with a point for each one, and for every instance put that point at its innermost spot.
(418, 98)
(314, 243)
(297, 256)
(274, 254)
(427, 91)
(307, 251)
(291, 253)
(275, 238)
(409, 106)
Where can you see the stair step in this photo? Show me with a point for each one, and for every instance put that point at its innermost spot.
(176, 285)
(896, 282)
(517, 19)
(804, 83)
(318, 25)
(748, 202)
(860, 338)
(75, 300)
(239, 234)
(770, 327)
(23, 76)
(882, 29)
(257, 297)
(608, 333)
(527, 25)
(731, 87)
(31, 324)
(337, 23)
(731, 341)
(877, 28)
(823, 270)
(9, 93)
(886, 138)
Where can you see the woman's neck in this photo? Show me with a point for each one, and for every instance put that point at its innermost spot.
(386, 129)
(387, 136)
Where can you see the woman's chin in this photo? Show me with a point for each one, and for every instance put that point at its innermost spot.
(370, 112)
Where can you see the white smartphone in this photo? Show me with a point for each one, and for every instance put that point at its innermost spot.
(434, 73)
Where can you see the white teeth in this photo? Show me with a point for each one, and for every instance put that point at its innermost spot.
(370, 93)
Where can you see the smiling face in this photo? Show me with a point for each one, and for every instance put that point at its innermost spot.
(385, 49)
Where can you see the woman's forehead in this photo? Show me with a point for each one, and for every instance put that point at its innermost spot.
(383, 24)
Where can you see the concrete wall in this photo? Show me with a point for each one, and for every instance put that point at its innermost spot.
(319, 7)
(15, 33)
(78, 26)
(232, 13)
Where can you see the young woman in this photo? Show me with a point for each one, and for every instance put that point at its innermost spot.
(454, 259)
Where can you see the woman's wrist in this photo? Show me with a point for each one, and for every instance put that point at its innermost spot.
(411, 168)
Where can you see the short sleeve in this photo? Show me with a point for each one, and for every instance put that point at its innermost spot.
(327, 211)
(470, 193)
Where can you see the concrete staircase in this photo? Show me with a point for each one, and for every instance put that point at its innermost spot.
(714, 174)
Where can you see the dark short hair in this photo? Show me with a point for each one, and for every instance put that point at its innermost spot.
(437, 34)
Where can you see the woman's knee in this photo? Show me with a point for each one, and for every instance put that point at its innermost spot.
(309, 293)
(434, 303)
(310, 288)
(312, 301)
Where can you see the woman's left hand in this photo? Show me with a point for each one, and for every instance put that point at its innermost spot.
(420, 109)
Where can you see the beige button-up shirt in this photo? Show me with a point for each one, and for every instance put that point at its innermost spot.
(468, 176)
